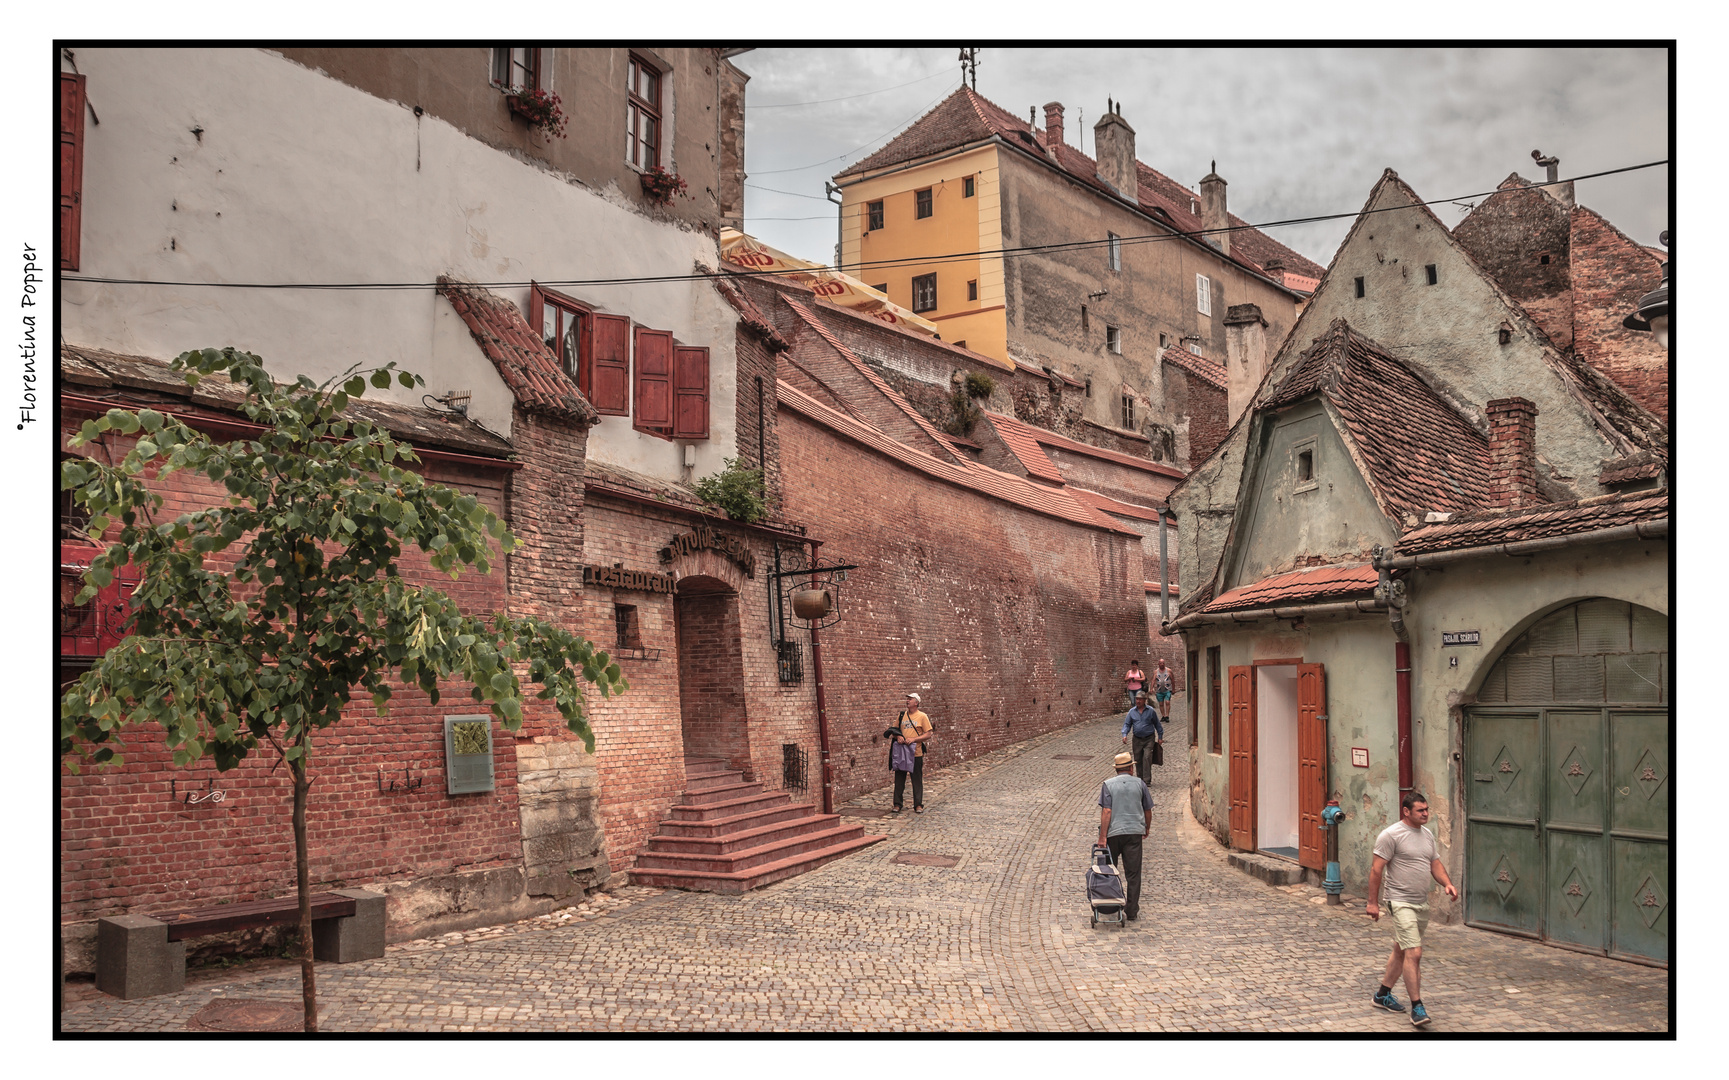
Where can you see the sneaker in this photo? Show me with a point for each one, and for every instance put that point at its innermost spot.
(1389, 1002)
(1419, 1015)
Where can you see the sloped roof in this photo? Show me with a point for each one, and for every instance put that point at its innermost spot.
(1199, 366)
(964, 116)
(1114, 506)
(749, 314)
(1018, 437)
(1074, 446)
(524, 362)
(1319, 584)
(1537, 522)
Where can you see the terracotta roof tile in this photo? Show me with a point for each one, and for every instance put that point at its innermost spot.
(752, 316)
(1115, 506)
(1537, 522)
(1074, 446)
(1420, 452)
(523, 360)
(1207, 370)
(1020, 441)
(1322, 583)
(1645, 465)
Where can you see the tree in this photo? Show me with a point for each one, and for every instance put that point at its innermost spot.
(313, 609)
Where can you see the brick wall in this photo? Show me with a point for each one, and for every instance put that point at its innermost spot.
(1008, 622)
(711, 679)
(1610, 274)
(1512, 452)
(1520, 237)
(755, 362)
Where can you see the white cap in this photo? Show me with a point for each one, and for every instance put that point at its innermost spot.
(915, 697)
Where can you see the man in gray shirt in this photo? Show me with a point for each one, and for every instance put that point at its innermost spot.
(1405, 858)
(1125, 818)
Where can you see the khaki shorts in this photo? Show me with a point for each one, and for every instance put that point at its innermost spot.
(1409, 922)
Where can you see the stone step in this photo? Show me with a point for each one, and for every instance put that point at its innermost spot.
(742, 839)
(704, 766)
(718, 794)
(729, 808)
(712, 780)
(738, 881)
(1269, 868)
(745, 859)
(675, 829)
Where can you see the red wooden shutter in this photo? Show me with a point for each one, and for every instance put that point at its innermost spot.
(690, 393)
(1311, 764)
(537, 311)
(1243, 808)
(611, 374)
(653, 378)
(71, 166)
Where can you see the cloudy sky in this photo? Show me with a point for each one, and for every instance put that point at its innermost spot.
(1295, 132)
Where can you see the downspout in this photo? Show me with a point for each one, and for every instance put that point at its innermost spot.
(761, 446)
(1392, 593)
(1164, 576)
(821, 702)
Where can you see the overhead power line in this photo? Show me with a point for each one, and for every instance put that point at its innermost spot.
(851, 97)
(869, 142)
(922, 260)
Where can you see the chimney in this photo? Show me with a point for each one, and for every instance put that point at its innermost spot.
(1213, 214)
(1552, 187)
(1512, 453)
(1053, 123)
(1245, 356)
(1114, 145)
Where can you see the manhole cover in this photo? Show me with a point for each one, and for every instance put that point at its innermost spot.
(919, 858)
(249, 1014)
(1071, 757)
(863, 811)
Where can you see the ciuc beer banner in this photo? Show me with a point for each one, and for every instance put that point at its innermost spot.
(830, 284)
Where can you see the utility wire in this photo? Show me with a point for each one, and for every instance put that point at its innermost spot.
(869, 142)
(922, 260)
(795, 194)
(850, 97)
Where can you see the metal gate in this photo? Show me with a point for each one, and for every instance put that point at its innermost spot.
(1567, 801)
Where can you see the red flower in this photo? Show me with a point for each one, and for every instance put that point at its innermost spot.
(542, 109)
(660, 186)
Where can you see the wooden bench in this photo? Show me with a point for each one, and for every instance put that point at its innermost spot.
(143, 955)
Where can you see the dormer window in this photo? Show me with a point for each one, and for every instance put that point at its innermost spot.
(1303, 474)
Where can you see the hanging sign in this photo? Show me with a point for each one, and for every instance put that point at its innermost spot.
(1450, 638)
(617, 577)
(704, 538)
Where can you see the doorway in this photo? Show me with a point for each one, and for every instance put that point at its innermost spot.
(711, 698)
(1278, 759)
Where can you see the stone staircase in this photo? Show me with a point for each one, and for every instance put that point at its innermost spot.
(725, 835)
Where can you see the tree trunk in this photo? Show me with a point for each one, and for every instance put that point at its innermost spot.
(303, 876)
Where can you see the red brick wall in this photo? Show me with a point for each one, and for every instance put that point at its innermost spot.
(1008, 622)
(130, 841)
(1509, 236)
(1209, 417)
(755, 361)
(711, 679)
(1610, 274)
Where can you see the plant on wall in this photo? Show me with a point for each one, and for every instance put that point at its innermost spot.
(660, 186)
(979, 385)
(735, 489)
(541, 108)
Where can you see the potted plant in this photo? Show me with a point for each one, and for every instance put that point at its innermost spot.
(660, 186)
(541, 108)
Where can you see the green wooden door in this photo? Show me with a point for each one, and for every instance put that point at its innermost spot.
(1503, 858)
(1576, 855)
(1638, 798)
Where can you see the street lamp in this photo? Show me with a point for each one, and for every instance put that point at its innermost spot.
(1653, 313)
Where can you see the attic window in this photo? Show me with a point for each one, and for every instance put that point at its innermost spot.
(1359, 288)
(1544, 259)
(1164, 342)
(1432, 274)
(1303, 466)
(1506, 334)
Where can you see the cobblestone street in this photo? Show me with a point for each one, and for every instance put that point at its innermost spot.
(1000, 942)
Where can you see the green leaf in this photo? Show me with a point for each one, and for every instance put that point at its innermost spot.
(406, 379)
(355, 386)
(381, 379)
(150, 420)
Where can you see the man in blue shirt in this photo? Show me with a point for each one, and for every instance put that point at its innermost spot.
(1143, 721)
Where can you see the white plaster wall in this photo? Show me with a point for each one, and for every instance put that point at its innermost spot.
(297, 177)
(1276, 755)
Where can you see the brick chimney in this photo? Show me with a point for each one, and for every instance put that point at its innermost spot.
(1053, 123)
(1512, 453)
(1213, 214)
(1114, 144)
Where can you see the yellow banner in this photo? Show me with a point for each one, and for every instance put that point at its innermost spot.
(826, 282)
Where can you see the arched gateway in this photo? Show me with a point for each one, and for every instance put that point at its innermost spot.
(1567, 783)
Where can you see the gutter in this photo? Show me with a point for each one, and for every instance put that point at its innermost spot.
(1642, 530)
(1300, 611)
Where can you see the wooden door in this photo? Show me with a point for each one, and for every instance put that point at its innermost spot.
(1311, 764)
(1243, 764)
(1639, 833)
(1575, 853)
(1503, 805)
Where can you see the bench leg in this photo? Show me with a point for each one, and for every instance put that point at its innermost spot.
(357, 937)
(135, 959)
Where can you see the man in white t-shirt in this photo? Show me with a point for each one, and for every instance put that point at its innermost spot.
(1405, 858)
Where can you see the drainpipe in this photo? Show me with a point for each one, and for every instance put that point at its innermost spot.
(1393, 594)
(1164, 576)
(821, 703)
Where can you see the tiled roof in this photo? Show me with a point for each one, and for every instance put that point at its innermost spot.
(1196, 365)
(1115, 506)
(1537, 522)
(1153, 587)
(1644, 465)
(965, 117)
(969, 474)
(526, 365)
(1020, 441)
(1323, 583)
(97, 372)
(1074, 446)
(1421, 454)
(750, 314)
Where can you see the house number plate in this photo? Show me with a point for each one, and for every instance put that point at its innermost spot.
(1450, 638)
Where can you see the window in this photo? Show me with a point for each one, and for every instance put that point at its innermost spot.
(883, 288)
(518, 68)
(564, 325)
(1215, 743)
(71, 166)
(1164, 342)
(690, 392)
(642, 113)
(1083, 318)
(1114, 340)
(625, 623)
(966, 187)
(1544, 260)
(1116, 251)
(1194, 695)
(1305, 465)
(1203, 294)
(874, 215)
(1193, 345)
(925, 292)
(1129, 411)
(1432, 274)
(1089, 386)
(922, 203)
(1359, 288)
(671, 387)
(972, 290)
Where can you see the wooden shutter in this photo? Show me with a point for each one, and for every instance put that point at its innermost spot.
(1194, 695)
(537, 311)
(653, 378)
(611, 374)
(690, 393)
(1243, 807)
(71, 167)
(1311, 764)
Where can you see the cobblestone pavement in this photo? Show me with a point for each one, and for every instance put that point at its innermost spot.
(1000, 942)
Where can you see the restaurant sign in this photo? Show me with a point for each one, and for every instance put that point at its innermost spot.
(617, 577)
(704, 538)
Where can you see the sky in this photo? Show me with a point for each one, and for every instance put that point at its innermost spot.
(1295, 131)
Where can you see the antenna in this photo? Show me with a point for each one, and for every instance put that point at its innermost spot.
(970, 67)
